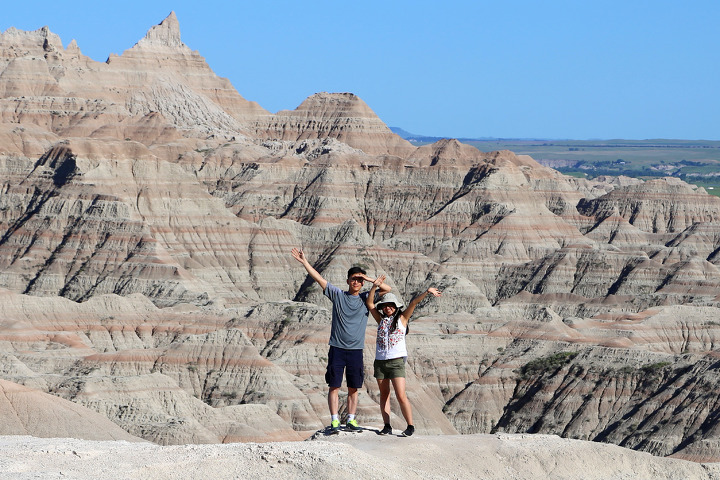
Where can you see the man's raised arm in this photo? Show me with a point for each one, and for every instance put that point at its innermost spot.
(383, 288)
(300, 257)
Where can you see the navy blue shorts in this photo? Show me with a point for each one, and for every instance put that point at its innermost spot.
(348, 361)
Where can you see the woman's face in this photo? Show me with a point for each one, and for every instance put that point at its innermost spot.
(388, 309)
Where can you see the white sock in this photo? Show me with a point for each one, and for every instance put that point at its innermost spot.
(334, 417)
(351, 416)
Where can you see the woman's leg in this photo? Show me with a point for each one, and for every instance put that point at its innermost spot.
(384, 386)
(399, 386)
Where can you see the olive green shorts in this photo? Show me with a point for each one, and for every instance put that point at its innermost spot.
(393, 368)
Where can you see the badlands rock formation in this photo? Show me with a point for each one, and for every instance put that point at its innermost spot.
(147, 212)
(27, 411)
(341, 116)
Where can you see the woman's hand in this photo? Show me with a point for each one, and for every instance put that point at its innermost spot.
(379, 281)
(298, 255)
(434, 291)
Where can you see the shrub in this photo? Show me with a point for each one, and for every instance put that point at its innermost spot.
(654, 367)
(542, 365)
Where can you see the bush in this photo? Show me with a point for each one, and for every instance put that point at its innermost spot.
(654, 367)
(542, 365)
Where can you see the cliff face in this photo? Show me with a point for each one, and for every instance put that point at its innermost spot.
(147, 212)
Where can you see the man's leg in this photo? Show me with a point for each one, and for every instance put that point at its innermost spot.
(333, 377)
(334, 400)
(354, 376)
(352, 401)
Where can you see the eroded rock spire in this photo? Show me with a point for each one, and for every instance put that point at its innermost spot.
(166, 34)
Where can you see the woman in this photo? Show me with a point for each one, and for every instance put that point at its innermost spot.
(391, 352)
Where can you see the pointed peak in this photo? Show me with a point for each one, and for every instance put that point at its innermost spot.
(73, 47)
(166, 34)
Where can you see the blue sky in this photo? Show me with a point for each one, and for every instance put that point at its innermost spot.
(512, 69)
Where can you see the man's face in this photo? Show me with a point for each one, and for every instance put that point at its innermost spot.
(355, 282)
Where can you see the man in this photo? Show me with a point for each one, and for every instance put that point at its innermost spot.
(347, 337)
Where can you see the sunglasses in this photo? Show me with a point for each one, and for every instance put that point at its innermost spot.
(356, 280)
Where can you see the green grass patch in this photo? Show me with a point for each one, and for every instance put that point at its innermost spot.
(543, 365)
(654, 367)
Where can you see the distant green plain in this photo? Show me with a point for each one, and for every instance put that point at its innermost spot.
(694, 161)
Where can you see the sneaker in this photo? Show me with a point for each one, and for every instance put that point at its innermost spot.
(335, 425)
(387, 430)
(353, 425)
(408, 431)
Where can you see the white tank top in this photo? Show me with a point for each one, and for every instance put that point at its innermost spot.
(390, 345)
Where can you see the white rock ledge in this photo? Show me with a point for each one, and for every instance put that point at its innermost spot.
(346, 456)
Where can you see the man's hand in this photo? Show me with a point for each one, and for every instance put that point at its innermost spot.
(434, 291)
(300, 257)
(383, 287)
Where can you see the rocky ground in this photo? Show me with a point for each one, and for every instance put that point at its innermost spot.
(345, 456)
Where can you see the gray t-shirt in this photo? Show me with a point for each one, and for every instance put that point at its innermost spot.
(349, 318)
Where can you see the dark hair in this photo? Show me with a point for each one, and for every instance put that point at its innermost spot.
(394, 323)
(354, 270)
